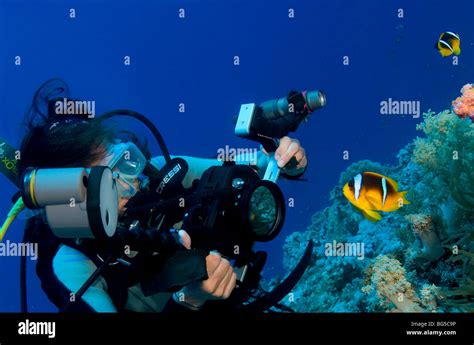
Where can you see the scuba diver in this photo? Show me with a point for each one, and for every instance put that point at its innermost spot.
(64, 265)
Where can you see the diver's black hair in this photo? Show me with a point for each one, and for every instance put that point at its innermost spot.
(51, 89)
(52, 141)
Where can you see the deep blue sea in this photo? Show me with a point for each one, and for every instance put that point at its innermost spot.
(190, 60)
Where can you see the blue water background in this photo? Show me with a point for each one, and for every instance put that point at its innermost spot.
(190, 60)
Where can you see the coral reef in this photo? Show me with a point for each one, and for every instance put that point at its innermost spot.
(387, 278)
(447, 155)
(422, 224)
(423, 251)
(462, 295)
(429, 295)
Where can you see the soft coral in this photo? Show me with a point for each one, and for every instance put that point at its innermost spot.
(464, 106)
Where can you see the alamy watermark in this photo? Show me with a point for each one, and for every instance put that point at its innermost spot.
(8, 248)
(393, 107)
(239, 155)
(74, 107)
(335, 248)
(28, 327)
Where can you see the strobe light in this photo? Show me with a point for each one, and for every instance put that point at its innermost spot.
(78, 202)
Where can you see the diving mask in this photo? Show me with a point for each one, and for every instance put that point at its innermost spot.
(127, 162)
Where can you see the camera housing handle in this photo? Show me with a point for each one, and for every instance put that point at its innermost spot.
(247, 126)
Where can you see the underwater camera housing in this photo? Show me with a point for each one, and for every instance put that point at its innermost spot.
(230, 207)
(242, 210)
(227, 209)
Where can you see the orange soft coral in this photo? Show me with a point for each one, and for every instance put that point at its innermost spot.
(464, 106)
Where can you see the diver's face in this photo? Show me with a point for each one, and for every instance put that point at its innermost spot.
(122, 201)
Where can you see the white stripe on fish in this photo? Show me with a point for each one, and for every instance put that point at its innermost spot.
(384, 188)
(453, 34)
(447, 45)
(357, 185)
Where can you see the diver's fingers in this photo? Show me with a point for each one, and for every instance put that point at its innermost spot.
(303, 163)
(215, 278)
(221, 271)
(299, 155)
(285, 142)
(222, 285)
(184, 239)
(230, 285)
(301, 158)
(212, 262)
(292, 149)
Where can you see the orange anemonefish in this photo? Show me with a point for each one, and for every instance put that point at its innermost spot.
(448, 43)
(370, 192)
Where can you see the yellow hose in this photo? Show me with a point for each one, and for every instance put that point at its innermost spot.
(14, 212)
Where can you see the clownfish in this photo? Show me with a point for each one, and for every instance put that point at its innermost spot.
(448, 43)
(370, 192)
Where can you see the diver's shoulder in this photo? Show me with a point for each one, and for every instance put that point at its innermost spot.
(158, 161)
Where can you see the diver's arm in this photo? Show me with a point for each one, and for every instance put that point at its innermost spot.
(287, 149)
(197, 166)
(71, 268)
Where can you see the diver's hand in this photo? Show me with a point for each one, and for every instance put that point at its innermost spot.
(184, 239)
(290, 148)
(220, 284)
